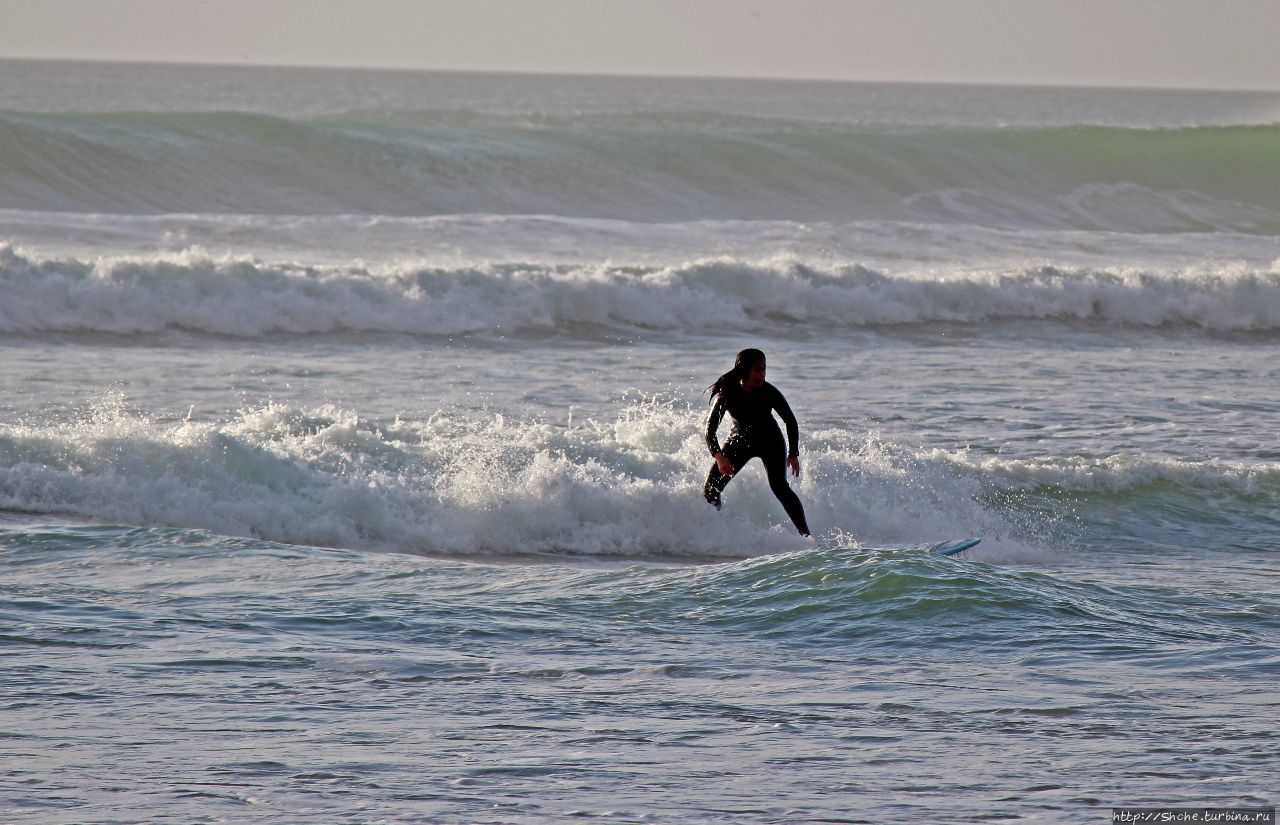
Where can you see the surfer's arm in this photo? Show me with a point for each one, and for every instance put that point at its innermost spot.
(783, 410)
(713, 424)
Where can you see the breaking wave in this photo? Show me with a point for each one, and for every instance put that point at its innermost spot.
(479, 485)
(245, 298)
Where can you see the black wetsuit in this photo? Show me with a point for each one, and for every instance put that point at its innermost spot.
(755, 433)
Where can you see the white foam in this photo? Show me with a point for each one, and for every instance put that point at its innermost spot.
(243, 297)
(1113, 474)
(473, 485)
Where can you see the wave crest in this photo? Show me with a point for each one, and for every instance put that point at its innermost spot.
(466, 485)
(245, 298)
(477, 485)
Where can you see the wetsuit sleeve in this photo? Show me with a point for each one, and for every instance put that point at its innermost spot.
(713, 424)
(793, 429)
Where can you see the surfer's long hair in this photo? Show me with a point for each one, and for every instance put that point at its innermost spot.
(729, 382)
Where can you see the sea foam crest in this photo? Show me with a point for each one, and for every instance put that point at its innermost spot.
(244, 297)
(472, 484)
(477, 485)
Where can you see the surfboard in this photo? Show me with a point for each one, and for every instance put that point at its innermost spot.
(950, 548)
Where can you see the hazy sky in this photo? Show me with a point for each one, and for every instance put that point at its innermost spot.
(1188, 43)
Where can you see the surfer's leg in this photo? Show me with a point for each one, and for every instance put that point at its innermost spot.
(738, 454)
(775, 464)
(716, 482)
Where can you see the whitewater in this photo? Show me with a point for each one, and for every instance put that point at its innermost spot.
(352, 448)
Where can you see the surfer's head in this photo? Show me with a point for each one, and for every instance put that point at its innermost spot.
(747, 373)
(749, 367)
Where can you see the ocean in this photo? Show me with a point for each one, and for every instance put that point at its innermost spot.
(351, 448)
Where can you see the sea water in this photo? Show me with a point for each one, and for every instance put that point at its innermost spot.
(351, 449)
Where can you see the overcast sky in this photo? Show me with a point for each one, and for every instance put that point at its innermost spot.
(1182, 43)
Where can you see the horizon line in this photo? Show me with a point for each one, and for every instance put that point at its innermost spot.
(630, 75)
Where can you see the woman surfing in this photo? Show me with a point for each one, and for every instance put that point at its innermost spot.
(751, 401)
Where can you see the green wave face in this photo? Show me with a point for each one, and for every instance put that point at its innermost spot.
(648, 166)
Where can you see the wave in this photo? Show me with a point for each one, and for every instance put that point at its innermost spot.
(464, 485)
(890, 599)
(244, 298)
(878, 599)
(481, 486)
(1122, 475)
(646, 166)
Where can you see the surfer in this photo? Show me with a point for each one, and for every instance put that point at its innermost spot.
(751, 401)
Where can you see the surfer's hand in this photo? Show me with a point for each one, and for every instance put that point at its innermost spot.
(794, 463)
(724, 465)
